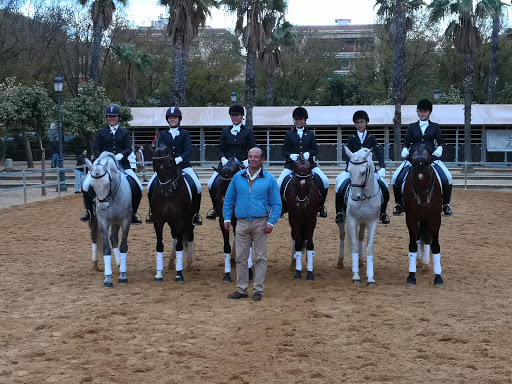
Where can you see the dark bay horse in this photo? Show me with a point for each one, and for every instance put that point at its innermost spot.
(226, 173)
(423, 200)
(303, 198)
(171, 204)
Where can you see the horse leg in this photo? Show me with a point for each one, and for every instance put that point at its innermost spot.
(341, 245)
(426, 240)
(114, 240)
(413, 252)
(436, 255)
(93, 226)
(107, 254)
(292, 264)
(298, 253)
(352, 230)
(310, 255)
(124, 250)
(172, 255)
(227, 255)
(360, 235)
(179, 257)
(190, 247)
(372, 230)
(159, 251)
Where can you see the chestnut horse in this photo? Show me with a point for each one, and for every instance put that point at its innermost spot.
(303, 198)
(171, 204)
(423, 200)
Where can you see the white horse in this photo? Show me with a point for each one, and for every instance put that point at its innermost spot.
(113, 210)
(363, 210)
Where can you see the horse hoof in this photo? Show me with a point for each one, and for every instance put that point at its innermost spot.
(438, 281)
(340, 264)
(227, 278)
(159, 279)
(370, 284)
(411, 279)
(354, 281)
(310, 276)
(180, 278)
(108, 284)
(123, 281)
(297, 276)
(251, 275)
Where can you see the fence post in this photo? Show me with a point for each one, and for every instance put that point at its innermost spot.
(24, 187)
(465, 175)
(58, 181)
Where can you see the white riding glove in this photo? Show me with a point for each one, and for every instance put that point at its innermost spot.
(306, 155)
(119, 156)
(438, 152)
(382, 172)
(178, 160)
(294, 157)
(223, 160)
(246, 163)
(405, 153)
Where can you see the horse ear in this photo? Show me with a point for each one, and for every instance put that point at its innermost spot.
(347, 151)
(215, 169)
(88, 162)
(369, 152)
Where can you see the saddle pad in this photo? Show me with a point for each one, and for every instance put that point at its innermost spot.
(437, 174)
(191, 186)
(284, 185)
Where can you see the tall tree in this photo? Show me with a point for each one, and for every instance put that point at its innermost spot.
(396, 14)
(493, 67)
(467, 39)
(185, 18)
(252, 15)
(102, 12)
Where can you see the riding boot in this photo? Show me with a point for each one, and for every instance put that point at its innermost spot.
(213, 213)
(447, 195)
(149, 217)
(340, 207)
(284, 207)
(88, 205)
(384, 218)
(136, 198)
(398, 210)
(196, 205)
(322, 212)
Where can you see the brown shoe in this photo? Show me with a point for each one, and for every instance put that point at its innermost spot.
(237, 295)
(257, 296)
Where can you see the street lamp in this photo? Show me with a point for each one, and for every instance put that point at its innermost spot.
(233, 97)
(437, 95)
(58, 83)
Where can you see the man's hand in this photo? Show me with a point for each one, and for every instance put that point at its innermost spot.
(227, 225)
(268, 228)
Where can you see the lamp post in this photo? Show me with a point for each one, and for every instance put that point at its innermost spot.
(233, 97)
(437, 95)
(58, 83)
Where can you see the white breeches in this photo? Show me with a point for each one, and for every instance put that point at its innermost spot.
(282, 176)
(212, 179)
(87, 182)
(438, 162)
(132, 174)
(188, 171)
(325, 180)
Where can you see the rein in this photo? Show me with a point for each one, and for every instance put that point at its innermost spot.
(111, 193)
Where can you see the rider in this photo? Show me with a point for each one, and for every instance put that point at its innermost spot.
(234, 142)
(297, 141)
(362, 139)
(116, 140)
(178, 139)
(429, 133)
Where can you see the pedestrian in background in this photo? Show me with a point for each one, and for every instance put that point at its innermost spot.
(55, 152)
(80, 170)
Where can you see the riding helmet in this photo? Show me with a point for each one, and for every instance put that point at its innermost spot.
(300, 113)
(360, 115)
(236, 109)
(113, 110)
(424, 105)
(173, 111)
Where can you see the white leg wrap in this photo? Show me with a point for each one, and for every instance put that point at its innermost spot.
(298, 260)
(94, 252)
(355, 262)
(426, 254)
(249, 261)
(107, 259)
(227, 263)
(412, 261)
(437, 263)
(311, 254)
(369, 267)
(179, 261)
(159, 261)
(117, 254)
(122, 267)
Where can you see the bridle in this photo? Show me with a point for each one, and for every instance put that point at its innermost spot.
(430, 190)
(228, 167)
(305, 200)
(366, 177)
(111, 192)
(172, 184)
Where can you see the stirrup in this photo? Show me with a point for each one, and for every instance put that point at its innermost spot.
(135, 219)
(196, 220)
(322, 212)
(447, 210)
(86, 217)
(149, 218)
(398, 210)
(212, 214)
(384, 218)
(340, 218)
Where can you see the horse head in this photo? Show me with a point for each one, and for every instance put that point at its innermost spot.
(105, 178)
(302, 167)
(422, 175)
(229, 170)
(361, 171)
(166, 170)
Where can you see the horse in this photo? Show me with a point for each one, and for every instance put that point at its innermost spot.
(171, 204)
(303, 199)
(423, 198)
(113, 211)
(363, 211)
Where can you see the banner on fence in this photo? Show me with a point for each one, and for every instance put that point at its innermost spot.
(499, 141)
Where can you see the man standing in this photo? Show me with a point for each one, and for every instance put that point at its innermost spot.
(254, 196)
(55, 152)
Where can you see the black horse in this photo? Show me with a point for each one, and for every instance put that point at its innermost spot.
(423, 200)
(171, 203)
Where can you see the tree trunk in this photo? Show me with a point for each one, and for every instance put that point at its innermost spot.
(494, 58)
(468, 81)
(96, 49)
(28, 151)
(250, 86)
(130, 90)
(399, 33)
(43, 167)
(270, 89)
(179, 72)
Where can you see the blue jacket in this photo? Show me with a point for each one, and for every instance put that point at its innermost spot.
(258, 202)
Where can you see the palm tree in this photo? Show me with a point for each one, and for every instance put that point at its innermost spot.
(134, 59)
(102, 12)
(252, 15)
(280, 35)
(185, 18)
(467, 39)
(396, 14)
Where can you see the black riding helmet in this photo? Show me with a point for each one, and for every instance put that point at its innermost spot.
(236, 109)
(360, 115)
(300, 113)
(113, 110)
(173, 111)
(424, 105)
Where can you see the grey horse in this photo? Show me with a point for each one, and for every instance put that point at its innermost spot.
(363, 210)
(113, 210)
